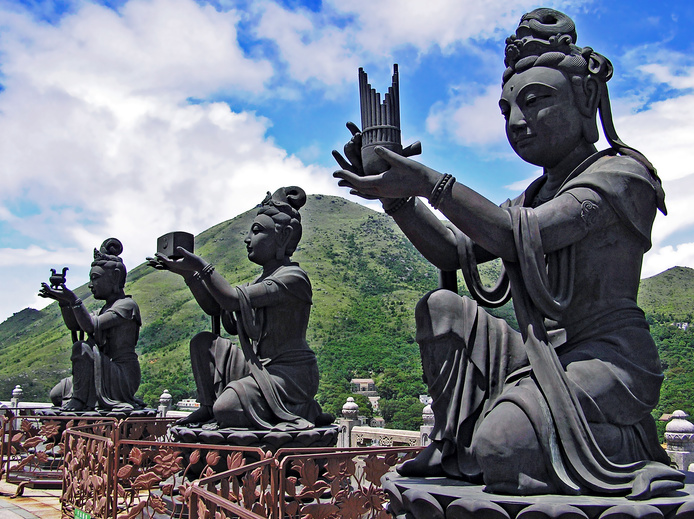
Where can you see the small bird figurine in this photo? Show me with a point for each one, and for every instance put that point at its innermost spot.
(56, 280)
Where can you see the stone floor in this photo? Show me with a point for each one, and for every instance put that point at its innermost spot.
(34, 503)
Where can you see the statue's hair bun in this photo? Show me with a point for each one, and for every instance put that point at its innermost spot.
(292, 195)
(112, 247)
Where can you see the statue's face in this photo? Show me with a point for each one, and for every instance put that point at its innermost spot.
(261, 241)
(102, 282)
(543, 123)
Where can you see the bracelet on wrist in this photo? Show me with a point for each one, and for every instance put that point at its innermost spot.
(204, 273)
(445, 183)
(77, 303)
(396, 205)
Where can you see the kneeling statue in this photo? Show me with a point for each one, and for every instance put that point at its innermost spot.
(105, 368)
(565, 405)
(271, 380)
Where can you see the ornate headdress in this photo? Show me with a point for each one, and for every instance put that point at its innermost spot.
(547, 38)
(283, 207)
(108, 257)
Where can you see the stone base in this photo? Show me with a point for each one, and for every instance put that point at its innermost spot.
(98, 413)
(264, 439)
(439, 498)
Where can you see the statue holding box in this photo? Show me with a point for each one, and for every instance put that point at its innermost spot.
(270, 381)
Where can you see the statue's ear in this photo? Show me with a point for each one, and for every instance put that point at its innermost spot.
(283, 237)
(116, 274)
(587, 102)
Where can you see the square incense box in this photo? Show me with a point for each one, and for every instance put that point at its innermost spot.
(167, 244)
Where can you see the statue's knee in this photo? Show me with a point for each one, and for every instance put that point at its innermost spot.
(82, 350)
(438, 312)
(507, 448)
(202, 340)
(228, 411)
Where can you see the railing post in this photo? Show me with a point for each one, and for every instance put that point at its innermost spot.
(350, 412)
(679, 437)
(17, 394)
(427, 425)
(164, 404)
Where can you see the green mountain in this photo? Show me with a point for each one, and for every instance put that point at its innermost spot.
(367, 279)
(669, 296)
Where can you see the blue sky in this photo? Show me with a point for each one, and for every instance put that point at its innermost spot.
(132, 118)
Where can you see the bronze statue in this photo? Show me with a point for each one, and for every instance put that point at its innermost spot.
(271, 380)
(105, 369)
(564, 406)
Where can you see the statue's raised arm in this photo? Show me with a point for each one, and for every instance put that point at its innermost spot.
(271, 380)
(105, 367)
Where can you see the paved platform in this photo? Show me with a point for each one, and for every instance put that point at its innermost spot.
(35, 503)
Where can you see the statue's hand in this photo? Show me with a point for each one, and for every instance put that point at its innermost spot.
(404, 178)
(155, 263)
(352, 152)
(353, 161)
(185, 265)
(62, 294)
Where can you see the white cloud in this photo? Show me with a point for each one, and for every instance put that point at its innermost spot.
(98, 135)
(469, 120)
(388, 24)
(314, 51)
(663, 133)
(328, 45)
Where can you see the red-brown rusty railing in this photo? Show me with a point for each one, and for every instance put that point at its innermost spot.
(244, 491)
(89, 458)
(335, 482)
(134, 470)
(32, 451)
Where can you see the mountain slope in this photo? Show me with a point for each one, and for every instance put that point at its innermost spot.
(367, 279)
(669, 296)
(352, 254)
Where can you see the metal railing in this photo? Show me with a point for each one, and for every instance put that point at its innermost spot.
(31, 448)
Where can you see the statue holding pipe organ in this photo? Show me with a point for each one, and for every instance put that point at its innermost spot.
(563, 406)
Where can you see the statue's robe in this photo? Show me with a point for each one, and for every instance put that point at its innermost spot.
(106, 370)
(606, 366)
(274, 373)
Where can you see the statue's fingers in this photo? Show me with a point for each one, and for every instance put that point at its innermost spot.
(362, 195)
(353, 154)
(389, 156)
(345, 176)
(353, 128)
(342, 162)
(344, 183)
(184, 252)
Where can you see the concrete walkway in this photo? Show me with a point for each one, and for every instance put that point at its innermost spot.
(34, 503)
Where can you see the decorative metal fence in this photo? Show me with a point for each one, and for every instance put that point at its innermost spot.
(136, 470)
(133, 469)
(31, 447)
(301, 483)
